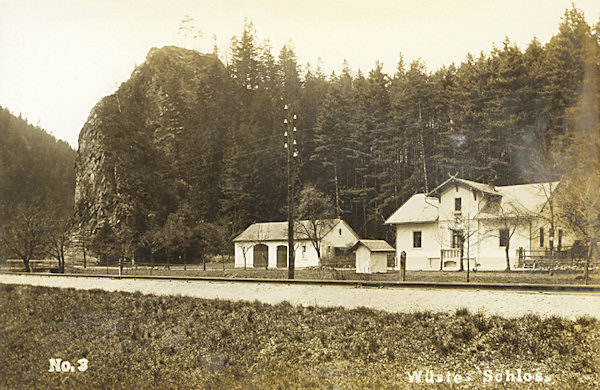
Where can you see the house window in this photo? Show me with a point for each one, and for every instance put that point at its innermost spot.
(457, 204)
(541, 237)
(457, 239)
(340, 232)
(417, 239)
(560, 236)
(503, 237)
(303, 248)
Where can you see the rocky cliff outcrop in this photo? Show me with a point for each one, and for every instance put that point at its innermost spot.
(149, 149)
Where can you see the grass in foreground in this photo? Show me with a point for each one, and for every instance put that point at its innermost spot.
(138, 341)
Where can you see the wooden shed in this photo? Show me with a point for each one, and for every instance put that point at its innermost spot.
(371, 256)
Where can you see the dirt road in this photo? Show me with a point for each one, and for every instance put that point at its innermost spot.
(505, 303)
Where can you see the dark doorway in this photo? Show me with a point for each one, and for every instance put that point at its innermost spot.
(261, 256)
(281, 256)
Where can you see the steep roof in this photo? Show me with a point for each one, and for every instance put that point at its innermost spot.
(278, 231)
(486, 188)
(375, 245)
(527, 198)
(521, 199)
(419, 208)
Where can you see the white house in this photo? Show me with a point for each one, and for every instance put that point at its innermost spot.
(476, 222)
(265, 245)
(371, 256)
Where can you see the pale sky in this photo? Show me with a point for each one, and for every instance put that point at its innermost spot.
(58, 58)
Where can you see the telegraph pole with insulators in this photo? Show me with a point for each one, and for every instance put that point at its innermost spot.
(289, 135)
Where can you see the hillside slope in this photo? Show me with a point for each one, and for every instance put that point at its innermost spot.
(35, 167)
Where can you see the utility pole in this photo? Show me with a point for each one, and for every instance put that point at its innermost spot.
(290, 144)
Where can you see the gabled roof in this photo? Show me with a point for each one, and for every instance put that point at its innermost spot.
(278, 231)
(418, 208)
(374, 245)
(486, 188)
(527, 198)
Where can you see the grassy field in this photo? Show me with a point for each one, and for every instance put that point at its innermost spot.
(137, 341)
(213, 270)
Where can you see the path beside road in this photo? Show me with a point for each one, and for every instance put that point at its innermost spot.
(398, 299)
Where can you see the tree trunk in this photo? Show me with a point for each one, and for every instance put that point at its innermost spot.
(26, 263)
(468, 251)
(61, 261)
(587, 263)
(506, 249)
(462, 253)
(84, 257)
(364, 212)
(337, 192)
(468, 268)
(423, 155)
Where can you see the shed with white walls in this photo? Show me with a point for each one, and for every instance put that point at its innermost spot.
(371, 256)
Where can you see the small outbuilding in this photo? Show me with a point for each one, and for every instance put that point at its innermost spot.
(371, 256)
(265, 244)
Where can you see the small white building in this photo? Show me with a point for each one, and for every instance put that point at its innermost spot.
(371, 256)
(475, 222)
(265, 245)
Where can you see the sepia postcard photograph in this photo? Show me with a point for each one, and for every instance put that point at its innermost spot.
(311, 194)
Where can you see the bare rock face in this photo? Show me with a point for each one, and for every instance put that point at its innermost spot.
(143, 151)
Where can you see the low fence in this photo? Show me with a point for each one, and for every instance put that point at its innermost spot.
(344, 261)
(349, 261)
(574, 257)
(44, 265)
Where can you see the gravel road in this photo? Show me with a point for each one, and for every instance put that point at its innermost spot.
(410, 299)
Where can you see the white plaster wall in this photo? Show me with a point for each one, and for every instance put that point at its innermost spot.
(378, 262)
(418, 258)
(362, 260)
(346, 239)
(239, 255)
(306, 254)
(272, 259)
(306, 258)
(567, 240)
(482, 242)
(492, 256)
(469, 204)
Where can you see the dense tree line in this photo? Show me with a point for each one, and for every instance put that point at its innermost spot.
(372, 140)
(367, 141)
(37, 181)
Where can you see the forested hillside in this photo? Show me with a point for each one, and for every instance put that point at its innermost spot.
(37, 184)
(35, 167)
(188, 145)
